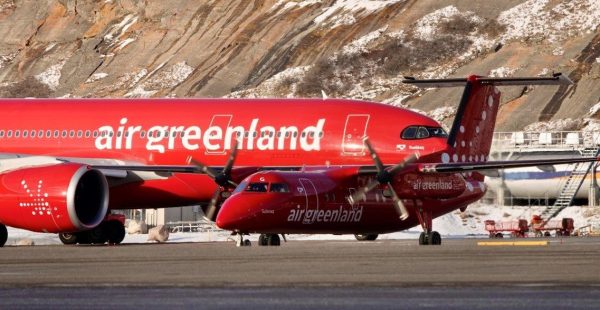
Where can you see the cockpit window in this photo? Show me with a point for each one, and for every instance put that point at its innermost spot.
(260, 187)
(279, 188)
(422, 132)
(240, 187)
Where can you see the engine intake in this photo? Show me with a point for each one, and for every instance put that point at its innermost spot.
(64, 197)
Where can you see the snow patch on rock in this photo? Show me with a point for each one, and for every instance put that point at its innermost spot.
(51, 77)
(331, 16)
(95, 77)
(502, 72)
(533, 18)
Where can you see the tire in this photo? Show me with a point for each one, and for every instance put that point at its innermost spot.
(423, 239)
(435, 238)
(83, 237)
(247, 242)
(499, 235)
(68, 238)
(547, 234)
(3, 235)
(98, 234)
(115, 232)
(273, 240)
(366, 237)
(262, 240)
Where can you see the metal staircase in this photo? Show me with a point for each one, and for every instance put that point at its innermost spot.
(571, 185)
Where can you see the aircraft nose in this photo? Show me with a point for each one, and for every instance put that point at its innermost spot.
(232, 214)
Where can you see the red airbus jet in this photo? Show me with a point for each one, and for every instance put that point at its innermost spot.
(66, 163)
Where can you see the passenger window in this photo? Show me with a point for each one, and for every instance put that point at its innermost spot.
(25, 133)
(259, 187)
(1, 133)
(9, 134)
(143, 133)
(72, 133)
(17, 133)
(64, 133)
(56, 133)
(87, 133)
(79, 133)
(41, 133)
(95, 133)
(33, 133)
(279, 188)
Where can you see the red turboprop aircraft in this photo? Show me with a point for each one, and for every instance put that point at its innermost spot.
(66, 163)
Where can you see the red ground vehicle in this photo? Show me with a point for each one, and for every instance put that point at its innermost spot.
(561, 227)
(517, 228)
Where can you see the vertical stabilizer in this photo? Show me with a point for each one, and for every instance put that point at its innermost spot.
(470, 137)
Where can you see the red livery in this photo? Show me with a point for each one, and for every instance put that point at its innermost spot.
(270, 166)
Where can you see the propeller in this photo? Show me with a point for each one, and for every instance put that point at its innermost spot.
(383, 177)
(223, 179)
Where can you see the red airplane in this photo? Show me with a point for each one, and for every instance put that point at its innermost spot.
(66, 163)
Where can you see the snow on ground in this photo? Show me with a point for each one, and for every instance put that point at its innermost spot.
(455, 225)
(365, 7)
(533, 18)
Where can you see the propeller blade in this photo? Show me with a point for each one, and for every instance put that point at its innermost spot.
(374, 155)
(398, 205)
(361, 192)
(211, 210)
(408, 160)
(231, 160)
(203, 168)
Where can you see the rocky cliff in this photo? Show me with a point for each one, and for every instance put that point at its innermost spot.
(287, 48)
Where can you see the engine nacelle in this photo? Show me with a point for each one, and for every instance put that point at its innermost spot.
(64, 197)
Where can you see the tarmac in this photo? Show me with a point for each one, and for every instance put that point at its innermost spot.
(461, 273)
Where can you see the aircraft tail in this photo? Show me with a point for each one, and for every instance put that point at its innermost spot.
(470, 137)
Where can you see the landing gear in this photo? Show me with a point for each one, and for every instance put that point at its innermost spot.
(427, 237)
(115, 232)
(269, 240)
(3, 235)
(68, 238)
(367, 237)
(433, 238)
(112, 232)
(241, 241)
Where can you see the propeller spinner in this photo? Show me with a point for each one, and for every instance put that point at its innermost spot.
(383, 177)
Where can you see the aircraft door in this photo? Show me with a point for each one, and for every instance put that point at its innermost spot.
(312, 200)
(354, 131)
(221, 121)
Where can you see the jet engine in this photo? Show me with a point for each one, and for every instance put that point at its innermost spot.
(65, 197)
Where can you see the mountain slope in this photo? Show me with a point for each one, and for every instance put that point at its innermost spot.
(346, 48)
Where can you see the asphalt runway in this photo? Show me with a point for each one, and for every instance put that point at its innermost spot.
(304, 274)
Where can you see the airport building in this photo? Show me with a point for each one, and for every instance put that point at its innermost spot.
(544, 185)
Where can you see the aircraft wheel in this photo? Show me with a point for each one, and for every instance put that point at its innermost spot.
(98, 234)
(499, 235)
(68, 238)
(273, 240)
(115, 232)
(83, 237)
(3, 235)
(262, 240)
(423, 239)
(435, 238)
(366, 237)
(247, 242)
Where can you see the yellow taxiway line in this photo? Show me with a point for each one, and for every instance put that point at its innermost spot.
(512, 243)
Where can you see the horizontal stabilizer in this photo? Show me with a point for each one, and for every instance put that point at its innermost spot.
(555, 79)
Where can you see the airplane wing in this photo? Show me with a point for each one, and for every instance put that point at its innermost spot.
(494, 165)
